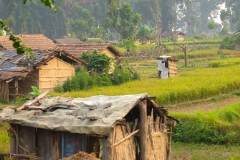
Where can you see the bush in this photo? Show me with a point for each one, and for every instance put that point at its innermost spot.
(83, 81)
(215, 127)
(228, 43)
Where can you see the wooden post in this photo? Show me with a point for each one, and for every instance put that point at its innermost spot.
(143, 131)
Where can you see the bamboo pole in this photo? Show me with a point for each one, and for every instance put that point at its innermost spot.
(122, 140)
(143, 131)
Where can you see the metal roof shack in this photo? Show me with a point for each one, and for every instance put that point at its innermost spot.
(129, 127)
(167, 67)
(19, 72)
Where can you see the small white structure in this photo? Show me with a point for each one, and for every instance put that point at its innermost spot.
(166, 67)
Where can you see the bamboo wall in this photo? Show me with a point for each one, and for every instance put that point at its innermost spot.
(55, 72)
(4, 91)
(172, 65)
(124, 150)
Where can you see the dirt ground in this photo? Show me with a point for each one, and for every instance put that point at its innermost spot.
(205, 105)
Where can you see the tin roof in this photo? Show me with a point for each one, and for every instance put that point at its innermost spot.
(91, 115)
(34, 41)
(77, 49)
(14, 65)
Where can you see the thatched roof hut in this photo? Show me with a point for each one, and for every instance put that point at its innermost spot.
(123, 127)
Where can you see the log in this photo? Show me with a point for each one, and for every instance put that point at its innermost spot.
(143, 131)
(129, 136)
(41, 96)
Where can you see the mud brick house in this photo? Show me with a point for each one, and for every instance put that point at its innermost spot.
(18, 72)
(124, 127)
(179, 34)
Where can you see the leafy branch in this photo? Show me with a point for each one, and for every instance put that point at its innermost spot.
(20, 47)
(48, 3)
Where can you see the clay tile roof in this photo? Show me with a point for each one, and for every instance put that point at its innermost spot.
(68, 41)
(77, 49)
(34, 41)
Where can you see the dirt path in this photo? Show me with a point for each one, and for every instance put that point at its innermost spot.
(207, 105)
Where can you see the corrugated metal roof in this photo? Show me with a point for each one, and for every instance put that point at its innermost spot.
(34, 41)
(14, 65)
(77, 49)
(91, 115)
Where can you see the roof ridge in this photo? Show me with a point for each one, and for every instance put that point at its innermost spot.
(30, 35)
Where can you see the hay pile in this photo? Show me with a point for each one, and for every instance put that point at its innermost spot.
(82, 156)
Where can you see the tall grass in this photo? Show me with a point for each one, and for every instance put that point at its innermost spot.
(188, 86)
(224, 62)
(206, 53)
(4, 138)
(221, 126)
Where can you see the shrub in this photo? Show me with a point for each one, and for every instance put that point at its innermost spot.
(216, 127)
(83, 81)
(228, 43)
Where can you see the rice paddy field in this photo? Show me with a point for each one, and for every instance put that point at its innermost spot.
(211, 73)
(187, 86)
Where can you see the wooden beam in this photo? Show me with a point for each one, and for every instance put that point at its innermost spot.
(143, 131)
(122, 140)
(41, 96)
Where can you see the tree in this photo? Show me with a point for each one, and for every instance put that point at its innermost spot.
(211, 26)
(121, 18)
(82, 22)
(183, 47)
(130, 45)
(156, 13)
(144, 33)
(234, 18)
(17, 43)
(97, 61)
(168, 13)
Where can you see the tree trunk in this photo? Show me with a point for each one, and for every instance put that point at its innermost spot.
(143, 130)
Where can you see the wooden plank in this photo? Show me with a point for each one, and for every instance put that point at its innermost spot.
(143, 131)
(41, 96)
(44, 143)
(26, 139)
(13, 138)
(4, 91)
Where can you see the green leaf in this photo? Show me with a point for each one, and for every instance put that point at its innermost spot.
(16, 44)
(24, 1)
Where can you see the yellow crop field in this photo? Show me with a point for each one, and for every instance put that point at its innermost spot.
(187, 86)
(224, 62)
